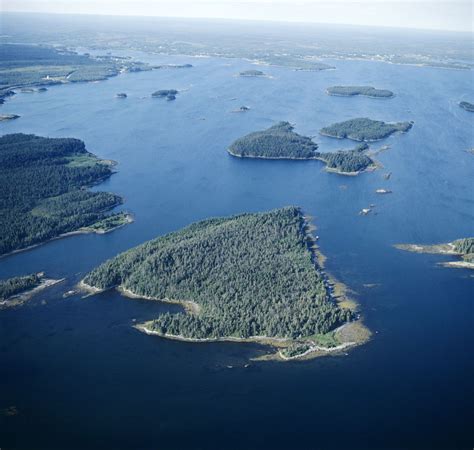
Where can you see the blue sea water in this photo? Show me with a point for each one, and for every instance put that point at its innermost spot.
(81, 377)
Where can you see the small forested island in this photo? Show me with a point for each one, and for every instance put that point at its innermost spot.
(43, 191)
(463, 248)
(252, 73)
(173, 66)
(277, 142)
(349, 162)
(4, 117)
(467, 106)
(15, 291)
(364, 129)
(366, 91)
(250, 277)
(281, 142)
(169, 94)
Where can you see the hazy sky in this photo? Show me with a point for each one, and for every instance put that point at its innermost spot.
(442, 14)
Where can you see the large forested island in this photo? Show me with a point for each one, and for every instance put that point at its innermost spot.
(281, 142)
(43, 191)
(463, 248)
(246, 277)
(366, 91)
(364, 129)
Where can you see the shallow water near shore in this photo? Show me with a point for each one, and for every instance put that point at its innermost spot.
(79, 374)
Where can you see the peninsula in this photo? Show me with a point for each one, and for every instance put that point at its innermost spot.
(32, 67)
(43, 191)
(250, 277)
(366, 91)
(364, 129)
(463, 248)
(17, 290)
(281, 142)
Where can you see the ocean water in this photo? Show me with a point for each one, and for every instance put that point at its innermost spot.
(81, 377)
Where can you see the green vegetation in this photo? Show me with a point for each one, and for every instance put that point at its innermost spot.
(252, 73)
(464, 246)
(278, 141)
(348, 161)
(33, 65)
(17, 285)
(296, 349)
(281, 142)
(249, 275)
(42, 191)
(367, 91)
(364, 129)
(327, 340)
(299, 348)
(110, 223)
(467, 106)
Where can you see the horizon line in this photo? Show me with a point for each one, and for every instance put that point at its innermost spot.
(217, 19)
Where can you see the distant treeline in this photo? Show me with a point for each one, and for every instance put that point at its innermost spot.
(33, 65)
